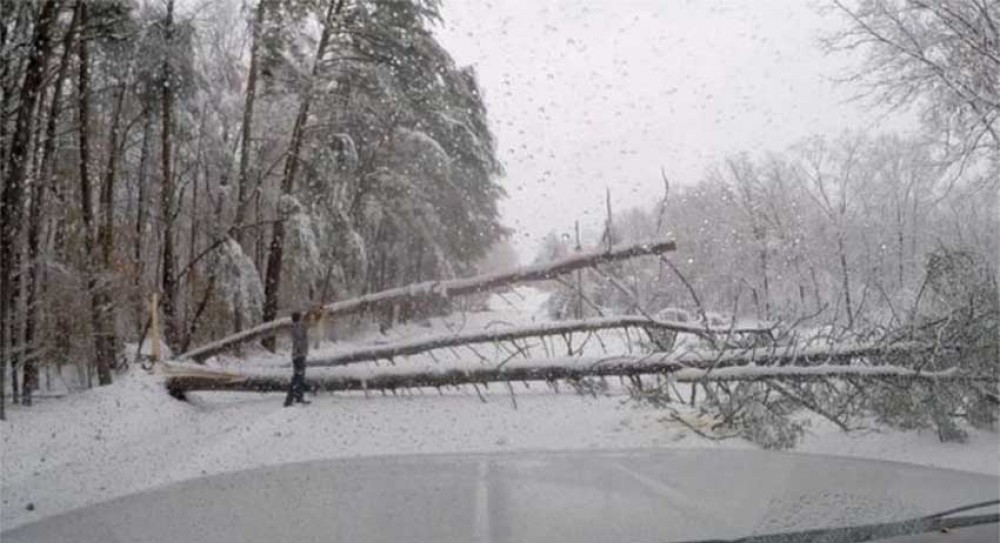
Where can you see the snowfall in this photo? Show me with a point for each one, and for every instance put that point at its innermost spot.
(78, 448)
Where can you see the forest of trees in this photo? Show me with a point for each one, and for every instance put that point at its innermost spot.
(237, 159)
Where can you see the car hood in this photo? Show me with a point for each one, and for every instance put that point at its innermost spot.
(619, 496)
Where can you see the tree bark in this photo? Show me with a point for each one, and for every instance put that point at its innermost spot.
(430, 290)
(138, 262)
(168, 280)
(105, 235)
(107, 226)
(845, 279)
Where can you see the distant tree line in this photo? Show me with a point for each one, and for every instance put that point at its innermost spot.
(847, 229)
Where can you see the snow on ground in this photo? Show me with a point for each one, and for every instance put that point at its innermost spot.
(113, 441)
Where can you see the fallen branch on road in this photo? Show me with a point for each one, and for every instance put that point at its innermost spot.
(417, 346)
(689, 367)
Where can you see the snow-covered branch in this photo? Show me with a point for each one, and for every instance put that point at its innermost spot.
(751, 365)
(428, 343)
(439, 289)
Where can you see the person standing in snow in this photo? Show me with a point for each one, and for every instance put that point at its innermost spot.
(300, 348)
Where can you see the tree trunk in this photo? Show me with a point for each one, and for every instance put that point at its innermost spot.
(243, 183)
(187, 379)
(272, 280)
(138, 262)
(105, 235)
(900, 242)
(186, 280)
(12, 196)
(767, 285)
(38, 193)
(103, 356)
(168, 280)
(246, 137)
(845, 279)
(6, 88)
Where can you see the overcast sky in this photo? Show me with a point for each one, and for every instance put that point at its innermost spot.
(587, 95)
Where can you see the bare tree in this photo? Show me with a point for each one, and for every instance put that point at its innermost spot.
(944, 53)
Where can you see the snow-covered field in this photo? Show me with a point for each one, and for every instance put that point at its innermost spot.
(131, 436)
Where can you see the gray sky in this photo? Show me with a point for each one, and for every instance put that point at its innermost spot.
(602, 93)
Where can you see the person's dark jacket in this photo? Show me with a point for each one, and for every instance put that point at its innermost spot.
(300, 341)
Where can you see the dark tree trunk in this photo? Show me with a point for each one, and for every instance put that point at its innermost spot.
(845, 279)
(106, 231)
(188, 283)
(272, 279)
(168, 279)
(139, 263)
(103, 356)
(12, 196)
(246, 137)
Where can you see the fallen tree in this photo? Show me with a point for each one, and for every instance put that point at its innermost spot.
(823, 362)
(558, 328)
(178, 385)
(430, 290)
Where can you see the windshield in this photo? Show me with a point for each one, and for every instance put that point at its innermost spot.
(250, 234)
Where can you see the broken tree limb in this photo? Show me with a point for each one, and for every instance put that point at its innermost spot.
(429, 290)
(556, 328)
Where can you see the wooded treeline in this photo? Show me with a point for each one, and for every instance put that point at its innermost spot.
(237, 158)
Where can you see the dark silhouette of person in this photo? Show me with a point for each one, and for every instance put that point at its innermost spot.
(300, 349)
